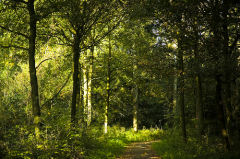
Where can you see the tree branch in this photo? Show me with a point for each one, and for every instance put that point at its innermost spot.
(65, 36)
(55, 96)
(42, 62)
(98, 39)
(20, 1)
(15, 32)
(13, 46)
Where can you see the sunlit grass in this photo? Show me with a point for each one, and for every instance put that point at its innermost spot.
(114, 142)
(88, 143)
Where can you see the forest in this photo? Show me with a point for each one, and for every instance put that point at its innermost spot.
(83, 79)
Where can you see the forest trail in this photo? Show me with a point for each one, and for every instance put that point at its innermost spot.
(140, 150)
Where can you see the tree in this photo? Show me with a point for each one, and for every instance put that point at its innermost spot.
(33, 16)
(109, 58)
(82, 17)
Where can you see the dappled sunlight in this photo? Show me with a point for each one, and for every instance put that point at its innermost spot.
(140, 150)
(133, 79)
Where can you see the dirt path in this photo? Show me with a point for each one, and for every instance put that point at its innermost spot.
(140, 150)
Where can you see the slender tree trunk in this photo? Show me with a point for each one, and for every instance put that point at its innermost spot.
(199, 104)
(175, 109)
(32, 68)
(180, 89)
(199, 98)
(85, 94)
(221, 48)
(81, 107)
(173, 100)
(135, 108)
(76, 91)
(221, 112)
(107, 104)
(108, 86)
(89, 113)
(135, 95)
(227, 70)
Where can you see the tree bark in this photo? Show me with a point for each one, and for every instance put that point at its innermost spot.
(89, 103)
(76, 88)
(85, 92)
(227, 70)
(108, 85)
(135, 95)
(221, 112)
(135, 108)
(199, 105)
(219, 26)
(199, 98)
(175, 93)
(81, 107)
(180, 89)
(32, 68)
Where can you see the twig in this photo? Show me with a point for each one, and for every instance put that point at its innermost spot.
(42, 62)
(12, 31)
(55, 96)
(13, 46)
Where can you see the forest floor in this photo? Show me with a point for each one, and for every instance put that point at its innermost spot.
(140, 150)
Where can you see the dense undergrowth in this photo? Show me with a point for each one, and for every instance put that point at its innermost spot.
(171, 146)
(77, 143)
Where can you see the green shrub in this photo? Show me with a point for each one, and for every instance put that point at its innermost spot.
(171, 146)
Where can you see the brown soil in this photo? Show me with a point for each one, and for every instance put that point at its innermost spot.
(140, 150)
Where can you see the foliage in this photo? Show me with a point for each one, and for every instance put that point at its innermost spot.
(113, 143)
(171, 146)
(62, 142)
(128, 44)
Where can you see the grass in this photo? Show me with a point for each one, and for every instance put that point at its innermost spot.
(112, 145)
(171, 146)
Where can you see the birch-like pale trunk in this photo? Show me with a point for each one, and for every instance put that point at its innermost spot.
(108, 85)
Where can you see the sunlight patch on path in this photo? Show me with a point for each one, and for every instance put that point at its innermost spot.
(140, 150)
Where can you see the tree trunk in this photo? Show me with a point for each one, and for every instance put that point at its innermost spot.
(135, 95)
(85, 93)
(107, 103)
(32, 68)
(220, 32)
(108, 86)
(199, 105)
(76, 89)
(227, 70)
(90, 71)
(180, 89)
(135, 108)
(221, 112)
(80, 95)
(175, 93)
(199, 97)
